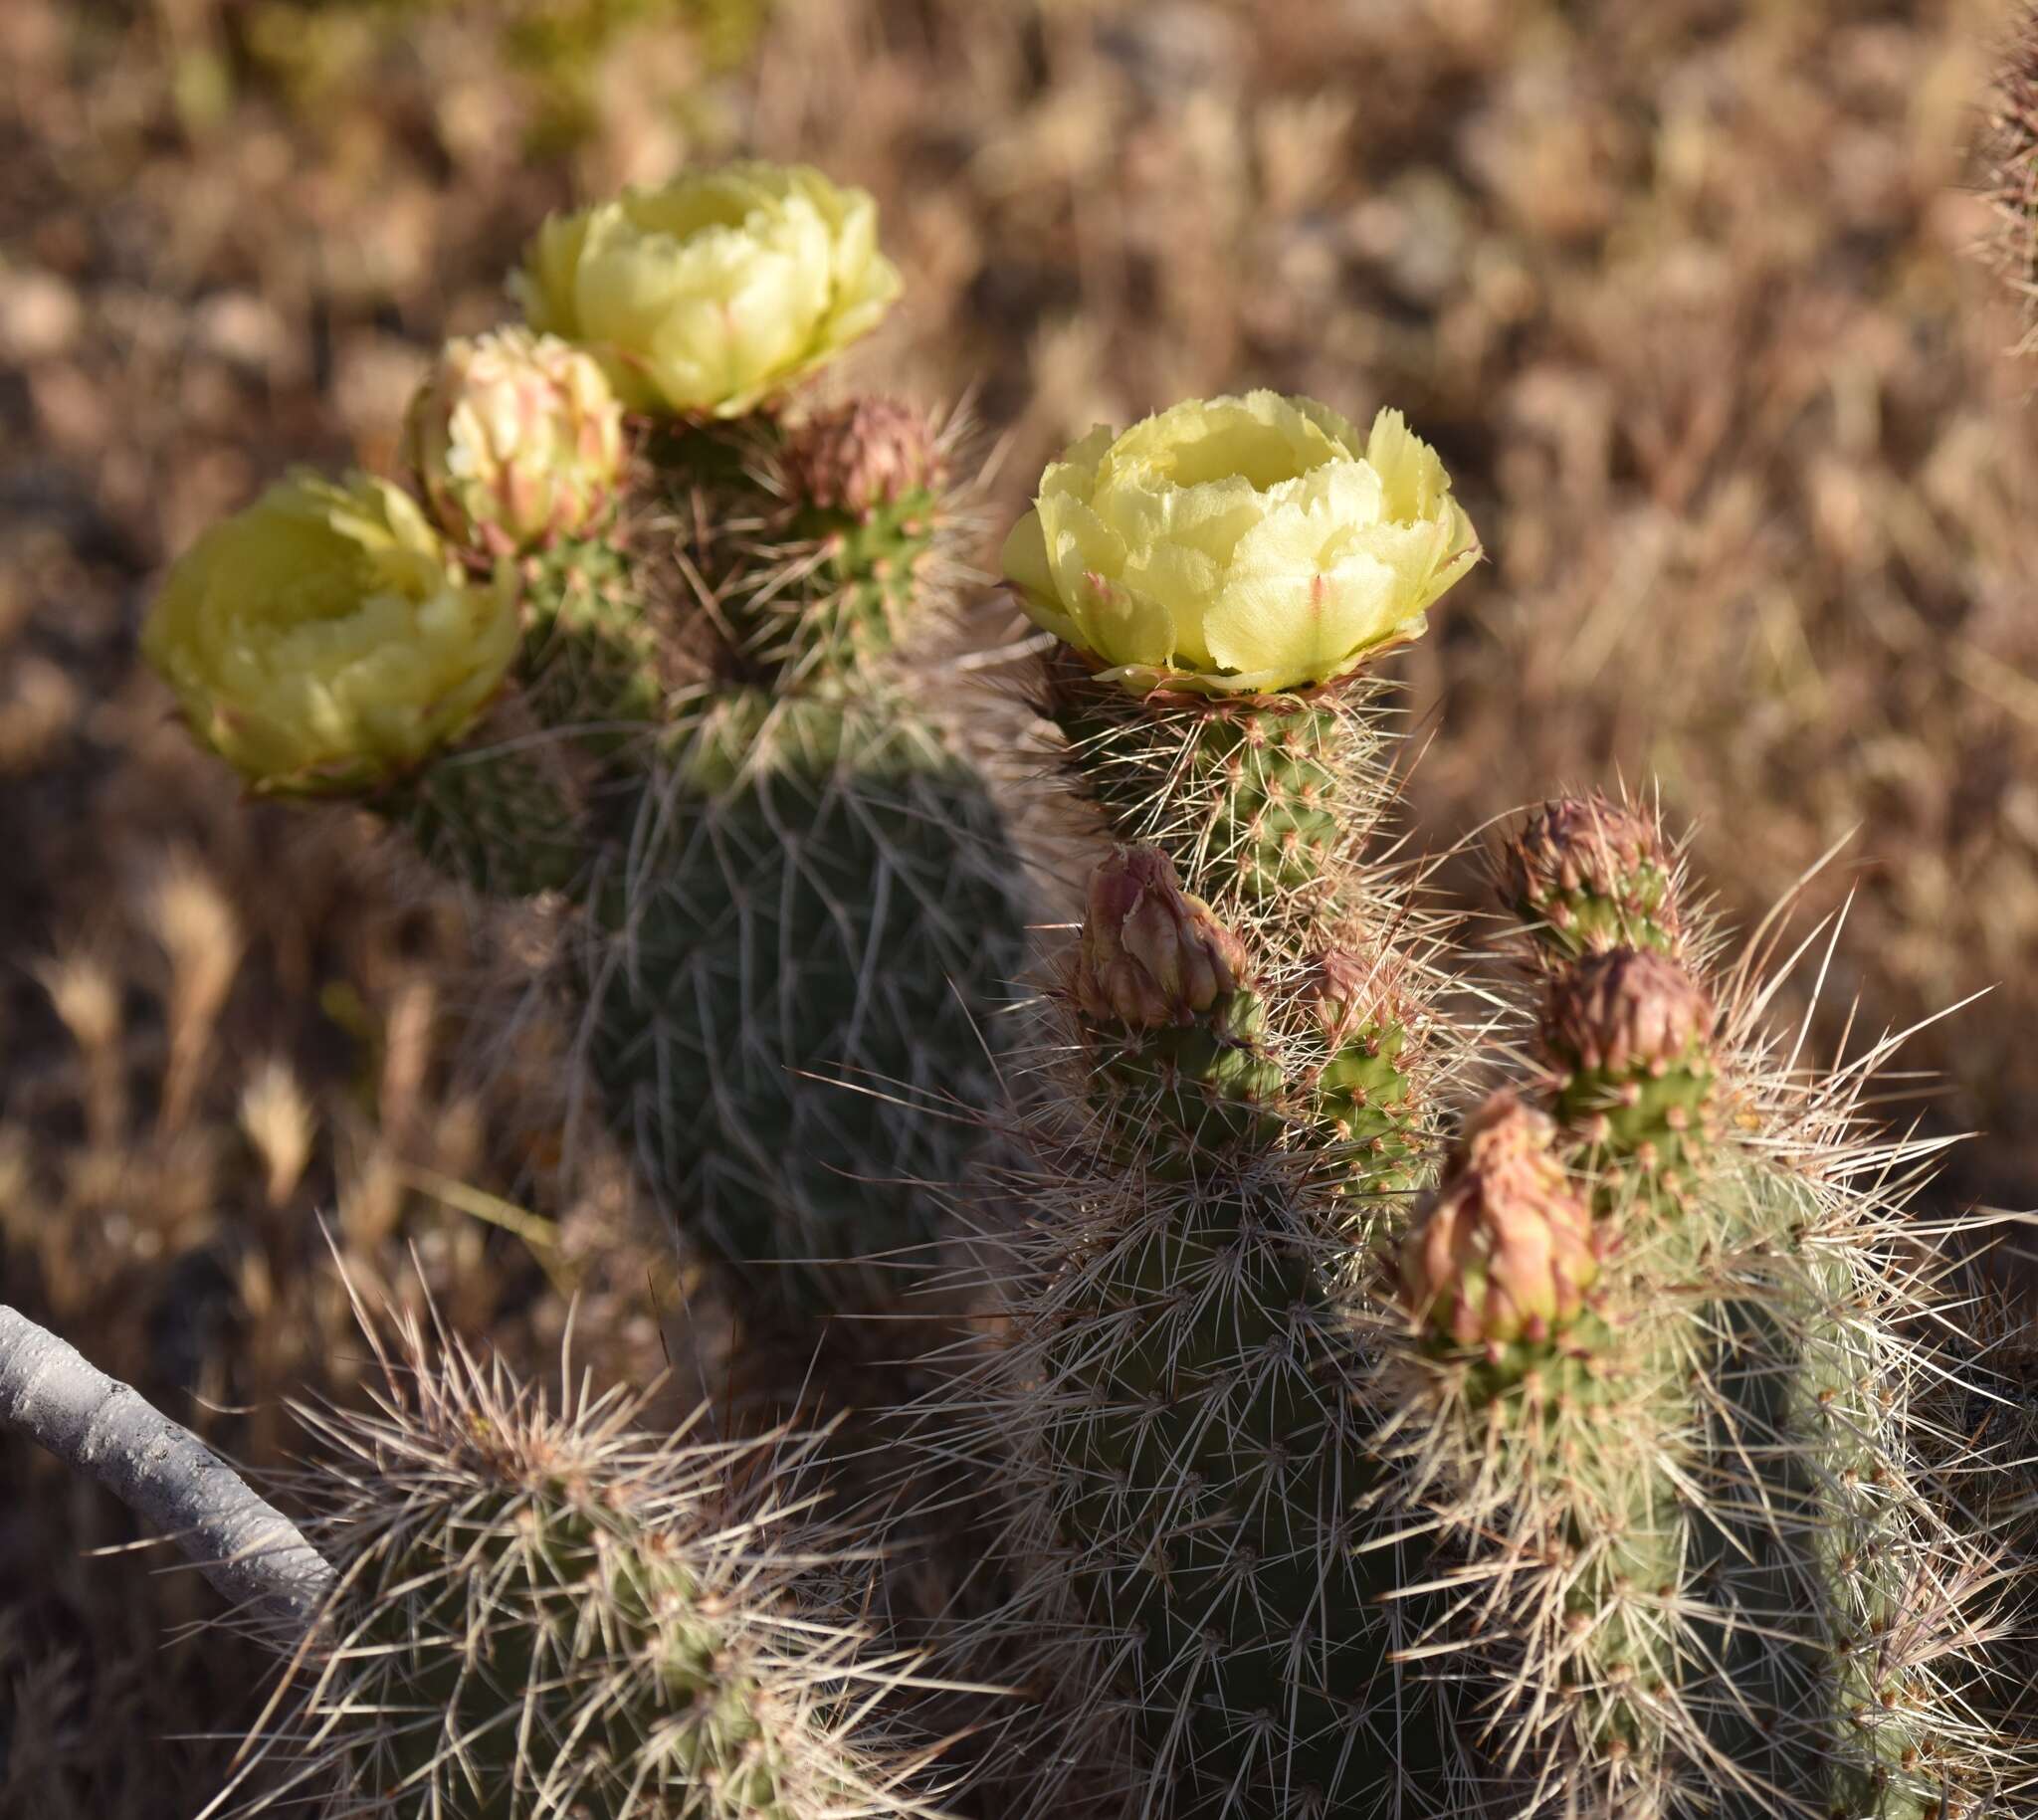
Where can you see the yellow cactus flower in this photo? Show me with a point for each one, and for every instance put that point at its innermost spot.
(1240, 545)
(707, 295)
(515, 439)
(324, 640)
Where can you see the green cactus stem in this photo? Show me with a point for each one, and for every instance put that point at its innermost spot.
(1370, 1080)
(1212, 1632)
(1261, 801)
(591, 656)
(793, 977)
(543, 1613)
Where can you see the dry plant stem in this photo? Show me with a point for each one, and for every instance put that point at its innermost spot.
(161, 1471)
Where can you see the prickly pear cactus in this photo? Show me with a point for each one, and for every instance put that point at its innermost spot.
(548, 1613)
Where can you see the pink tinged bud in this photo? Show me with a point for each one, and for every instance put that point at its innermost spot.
(1626, 1011)
(1150, 953)
(1346, 992)
(869, 453)
(1504, 1251)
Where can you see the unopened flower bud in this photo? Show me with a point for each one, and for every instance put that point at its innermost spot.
(515, 439)
(869, 453)
(1592, 849)
(1504, 1250)
(1626, 1011)
(1150, 953)
(1345, 992)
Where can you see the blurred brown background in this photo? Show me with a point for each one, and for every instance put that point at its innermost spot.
(1685, 292)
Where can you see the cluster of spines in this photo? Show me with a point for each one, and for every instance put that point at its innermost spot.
(815, 548)
(547, 1612)
(1263, 802)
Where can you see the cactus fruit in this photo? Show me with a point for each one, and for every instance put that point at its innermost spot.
(1631, 1032)
(1550, 1432)
(1372, 1085)
(542, 1612)
(811, 888)
(1182, 1071)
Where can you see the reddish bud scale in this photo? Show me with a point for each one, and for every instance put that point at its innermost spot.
(1150, 953)
(869, 453)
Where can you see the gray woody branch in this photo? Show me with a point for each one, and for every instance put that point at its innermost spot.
(162, 1471)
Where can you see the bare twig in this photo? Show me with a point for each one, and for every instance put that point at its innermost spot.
(162, 1471)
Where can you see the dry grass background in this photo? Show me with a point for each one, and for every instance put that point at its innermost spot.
(1682, 288)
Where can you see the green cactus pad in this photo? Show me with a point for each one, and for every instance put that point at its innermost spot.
(1859, 1593)
(503, 814)
(1659, 1120)
(790, 1008)
(1251, 799)
(1583, 922)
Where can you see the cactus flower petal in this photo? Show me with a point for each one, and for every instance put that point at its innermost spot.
(714, 292)
(1232, 546)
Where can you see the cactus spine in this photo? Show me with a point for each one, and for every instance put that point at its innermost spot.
(542, 1612)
